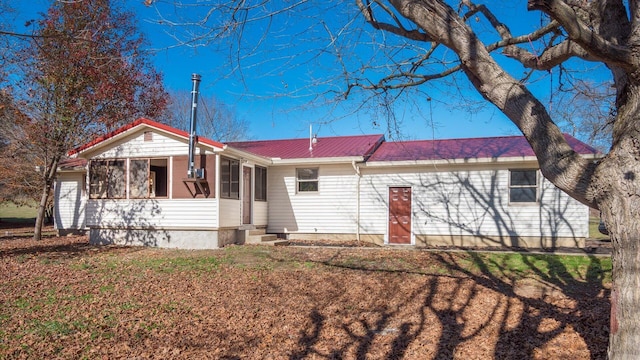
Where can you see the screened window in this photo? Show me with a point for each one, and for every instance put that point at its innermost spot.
(107, 179)
(523, 186)
(139, 178)
(261, 183)
(307, 179)
(147, 178)
(229, 178)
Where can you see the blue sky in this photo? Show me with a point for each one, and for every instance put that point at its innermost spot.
(263, 95)
(274, 114)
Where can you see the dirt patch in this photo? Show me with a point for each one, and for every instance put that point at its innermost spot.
(64, 298)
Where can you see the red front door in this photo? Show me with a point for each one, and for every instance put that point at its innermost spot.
(399, 215)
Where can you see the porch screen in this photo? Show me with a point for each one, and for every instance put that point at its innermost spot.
(107, 179)
(139, 178)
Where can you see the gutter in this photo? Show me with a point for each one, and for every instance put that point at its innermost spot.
(319, 161)
(356, 167)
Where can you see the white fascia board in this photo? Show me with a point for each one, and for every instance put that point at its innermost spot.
(529, 160)
(317, 161)
(260, 160)
(443, 162)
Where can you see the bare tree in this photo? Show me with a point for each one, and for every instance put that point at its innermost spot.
(216, 120)
(409, 44)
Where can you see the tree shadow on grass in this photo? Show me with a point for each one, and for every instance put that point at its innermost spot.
(59, 247)
(530, 313)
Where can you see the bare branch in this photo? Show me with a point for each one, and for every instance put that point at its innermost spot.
(551, 56)
(404, 80)
(398, 29)
(584, 35)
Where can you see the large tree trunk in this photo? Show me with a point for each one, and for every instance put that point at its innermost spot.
(617, 191)
(621, 216)
(49, 178)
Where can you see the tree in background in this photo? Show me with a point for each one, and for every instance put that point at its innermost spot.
(81, 75)
(216, 120)
(394, 49)
(17, 181)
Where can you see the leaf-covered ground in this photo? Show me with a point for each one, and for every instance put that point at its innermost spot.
(63, 298)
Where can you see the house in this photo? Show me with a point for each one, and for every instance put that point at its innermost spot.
(131, 187)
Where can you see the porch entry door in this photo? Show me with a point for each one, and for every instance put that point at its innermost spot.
(247, 195)
(399, 215)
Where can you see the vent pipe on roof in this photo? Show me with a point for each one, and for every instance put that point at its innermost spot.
(191, 172)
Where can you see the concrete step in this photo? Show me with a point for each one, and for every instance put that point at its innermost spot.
(279, 242)
(256, 232)
(259, 239)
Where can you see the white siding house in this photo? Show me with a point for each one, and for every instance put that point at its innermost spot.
(138, 192)
(462, 192)
(329, 210)
(464, 207)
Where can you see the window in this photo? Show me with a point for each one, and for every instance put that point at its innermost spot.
(261, 184)
(307, 179)
(158, 178)
(229, 178)
(523, 186)
(147, 178)
(139, 178)
(107, 179)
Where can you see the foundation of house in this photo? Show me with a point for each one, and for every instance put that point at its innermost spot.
(164, 238)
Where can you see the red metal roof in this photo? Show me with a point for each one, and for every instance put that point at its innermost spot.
(490, 147)
(326, 147)
(147, 122)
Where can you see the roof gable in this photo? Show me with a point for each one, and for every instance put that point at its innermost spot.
(326, 147)
(135, 126)
(475, 148)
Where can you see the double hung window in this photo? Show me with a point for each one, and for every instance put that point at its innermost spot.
(307, 179)
(523, 186)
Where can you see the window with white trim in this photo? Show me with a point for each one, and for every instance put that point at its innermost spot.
(261, 183)
(229, 178)
(523, 186)
(307, 179)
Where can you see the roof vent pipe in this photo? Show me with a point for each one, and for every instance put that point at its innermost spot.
(191, 172)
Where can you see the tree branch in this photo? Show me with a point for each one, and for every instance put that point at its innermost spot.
(389, 82)
(550, 57)
(397, 29)
(584, 35)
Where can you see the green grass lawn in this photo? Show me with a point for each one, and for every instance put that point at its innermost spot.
(10, 212)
